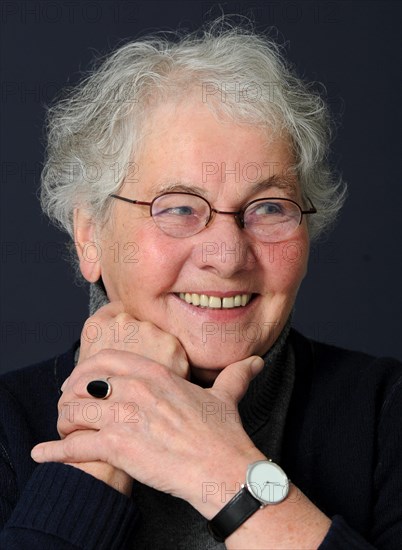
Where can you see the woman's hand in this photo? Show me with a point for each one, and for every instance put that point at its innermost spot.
(118, 479)
(156, 426)
(111, 328)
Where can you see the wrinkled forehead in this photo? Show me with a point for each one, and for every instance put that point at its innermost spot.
(189, 144)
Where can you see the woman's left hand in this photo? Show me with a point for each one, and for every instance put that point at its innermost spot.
(159, 428)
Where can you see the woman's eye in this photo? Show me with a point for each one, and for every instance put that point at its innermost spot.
(179, 211)
(268, 208)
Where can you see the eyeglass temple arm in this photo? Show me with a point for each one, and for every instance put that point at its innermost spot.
(129, 200)
(312, 210)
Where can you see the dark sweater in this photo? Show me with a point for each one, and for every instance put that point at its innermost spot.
(342, 446)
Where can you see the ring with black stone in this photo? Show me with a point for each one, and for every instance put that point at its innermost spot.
(100, 388)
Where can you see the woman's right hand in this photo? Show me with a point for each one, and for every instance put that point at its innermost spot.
(112, 328)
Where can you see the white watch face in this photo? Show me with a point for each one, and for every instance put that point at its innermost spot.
(267, 482)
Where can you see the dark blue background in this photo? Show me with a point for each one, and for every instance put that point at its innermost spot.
(352, 295)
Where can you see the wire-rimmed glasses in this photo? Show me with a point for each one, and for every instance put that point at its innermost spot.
(182, 215)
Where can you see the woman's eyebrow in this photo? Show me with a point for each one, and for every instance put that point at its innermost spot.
(179, 188)
(289, 184)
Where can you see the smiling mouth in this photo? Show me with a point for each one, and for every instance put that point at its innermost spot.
(215, 302)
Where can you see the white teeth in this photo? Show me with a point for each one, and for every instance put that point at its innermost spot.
(204, 300)
(228, 302)
(214, 302)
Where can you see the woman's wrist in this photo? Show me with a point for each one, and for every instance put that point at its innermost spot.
(275, 523)
(115, 478)
(292, 524)
(226, 481)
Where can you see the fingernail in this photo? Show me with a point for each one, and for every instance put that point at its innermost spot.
(36, 453)
(64, 384)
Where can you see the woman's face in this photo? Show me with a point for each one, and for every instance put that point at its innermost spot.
(147, 269)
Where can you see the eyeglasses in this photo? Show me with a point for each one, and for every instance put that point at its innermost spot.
(182, 215)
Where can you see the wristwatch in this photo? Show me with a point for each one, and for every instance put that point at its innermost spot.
(266, 483)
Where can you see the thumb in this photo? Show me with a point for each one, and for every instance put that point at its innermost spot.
(235, 378)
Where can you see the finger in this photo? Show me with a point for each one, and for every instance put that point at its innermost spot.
(110, 362)
(99, 388)
(64, 385)
(98, 325)
(109, 310)
(118, 387)
(86, 365)
(82, 446)
(78, 409)
(235, 378)
(82, 414)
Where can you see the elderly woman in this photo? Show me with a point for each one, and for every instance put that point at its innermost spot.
(192, 176)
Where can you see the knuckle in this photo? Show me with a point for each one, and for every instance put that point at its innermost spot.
(78, 387)
(160, 371)
(69, 447)
(171, 340)
(173, 347)
(108, 442)
(122, 317)
(91, 331)
(145, 392)
(148, 328)
(92, 320)
(108, 438)
(140, 387)
(182, 367)
(106, 354)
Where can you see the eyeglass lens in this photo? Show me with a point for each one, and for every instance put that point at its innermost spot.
(183, 215)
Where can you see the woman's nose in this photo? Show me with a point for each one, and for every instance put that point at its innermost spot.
(225, 248)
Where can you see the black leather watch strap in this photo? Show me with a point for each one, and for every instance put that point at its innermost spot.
(237, 510)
